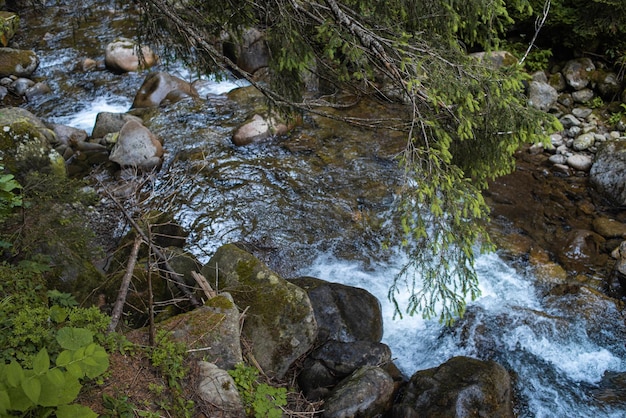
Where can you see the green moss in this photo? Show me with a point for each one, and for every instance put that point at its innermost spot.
(220, 302)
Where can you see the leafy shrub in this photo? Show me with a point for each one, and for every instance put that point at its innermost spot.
(260, 399)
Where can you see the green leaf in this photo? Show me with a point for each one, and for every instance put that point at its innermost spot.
(75, 411)
(15, 374)
(56, 377)
(41, 363)
(74, 338)
(55, 395)
(64, 358)
(5, 402)
(32, 388)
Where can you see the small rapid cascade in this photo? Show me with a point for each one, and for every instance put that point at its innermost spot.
(557, 364)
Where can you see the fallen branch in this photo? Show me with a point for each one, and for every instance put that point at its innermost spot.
(121, 295)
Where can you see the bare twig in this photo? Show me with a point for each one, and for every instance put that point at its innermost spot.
(538, 25)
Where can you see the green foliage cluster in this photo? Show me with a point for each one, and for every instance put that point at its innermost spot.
(260, 399)
(168, 356)
(597, 26)
(9, 198)
(53, 387)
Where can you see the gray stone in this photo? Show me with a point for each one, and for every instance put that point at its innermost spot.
(583, 141)
(558, 159)
(541, 95)
(581, 112)
(583, 96)
(217, 388)
(569, 120)
(107, 122)
(577, 72)
(608, 173)
(137, 147)
(580, 162)
(17, 62)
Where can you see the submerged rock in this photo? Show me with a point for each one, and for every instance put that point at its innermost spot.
(124, 55)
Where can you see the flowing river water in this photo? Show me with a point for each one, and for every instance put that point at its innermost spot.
(318, 203)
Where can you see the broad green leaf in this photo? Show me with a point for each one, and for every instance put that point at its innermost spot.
(54, 395)
(15, 374)
(41, 363)
(55, 376)
(75, 411)
(74, 338)
(64, 358)
(32, 388)
(5, 402)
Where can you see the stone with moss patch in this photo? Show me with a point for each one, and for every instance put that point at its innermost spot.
(25, 143)
(279, 323)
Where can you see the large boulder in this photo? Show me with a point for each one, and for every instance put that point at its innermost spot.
(17, 62)
(367, 392)
(137, 147)
(462, 387)
(279, 323)
(160, 87)
(608, 173)
(124, 55)
(343, 313)
(25, 143)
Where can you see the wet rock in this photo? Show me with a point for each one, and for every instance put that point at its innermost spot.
(609, 228)
(257, 129)
(20, 85)
(36, 90)
(217, 388)
(68, 135)
(343, 313)
(107, 122)
(17, 62)
(327, 365)
(462, 387)
(582, 248)
(608, 173)
(541, 95)
(122, 55)
(137, 147)
(577, 72)
(279, 323)
(160, 87)
(366, 393)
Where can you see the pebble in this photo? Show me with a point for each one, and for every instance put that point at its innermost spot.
(581, 162)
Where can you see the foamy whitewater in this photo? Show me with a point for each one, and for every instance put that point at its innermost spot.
(554, 371)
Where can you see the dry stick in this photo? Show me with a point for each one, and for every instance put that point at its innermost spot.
(182, 286)
(121, 295)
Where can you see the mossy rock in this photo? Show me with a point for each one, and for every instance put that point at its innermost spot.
(210, 332)
(17, 62)
(25, 144)
(279, 324)
(9, 24)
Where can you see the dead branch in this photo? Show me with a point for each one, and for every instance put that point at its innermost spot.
(121, 295)
(169, 271)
